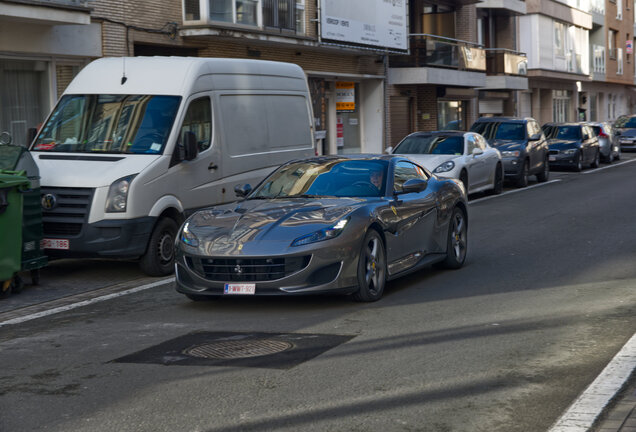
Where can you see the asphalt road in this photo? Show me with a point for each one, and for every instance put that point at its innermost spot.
(545, 300)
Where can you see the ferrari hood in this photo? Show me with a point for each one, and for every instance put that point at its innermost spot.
(242, 228)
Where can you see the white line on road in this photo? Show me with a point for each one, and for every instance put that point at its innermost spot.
(513, 191)
(585, 410)
(608, 167)
(84, 303)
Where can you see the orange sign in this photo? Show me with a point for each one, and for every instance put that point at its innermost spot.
(345, 96)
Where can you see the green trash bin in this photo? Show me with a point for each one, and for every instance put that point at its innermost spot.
(10, 227)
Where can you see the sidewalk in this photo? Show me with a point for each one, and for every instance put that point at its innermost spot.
(609, 403)
(620, 415)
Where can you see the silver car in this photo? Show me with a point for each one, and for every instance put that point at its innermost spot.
(607, 140)
(329, 224)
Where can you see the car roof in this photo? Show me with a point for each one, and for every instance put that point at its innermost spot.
(564, 124)
(503, 119)
(440, 133)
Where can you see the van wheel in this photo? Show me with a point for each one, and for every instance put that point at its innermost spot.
(159, 257)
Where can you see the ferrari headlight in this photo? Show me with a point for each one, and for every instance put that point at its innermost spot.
(509, 153)
(569, 151)
(445, 167)
(117, 198)
(323, 234)
(188, 236)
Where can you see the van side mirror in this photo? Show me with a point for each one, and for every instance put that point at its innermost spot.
(242, 191)
(191, 150)
(31, 133)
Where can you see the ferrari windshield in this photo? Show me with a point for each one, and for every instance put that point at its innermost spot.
(427, 144)
(109, 124)
(328, 177)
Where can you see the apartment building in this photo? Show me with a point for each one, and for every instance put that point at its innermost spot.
(43, 44)
(342, 46)
(610, 92)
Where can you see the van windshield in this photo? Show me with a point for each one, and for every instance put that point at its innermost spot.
(138, 124)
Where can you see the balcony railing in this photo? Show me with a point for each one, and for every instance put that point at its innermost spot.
(598, 59)
(436, 51)
(501, 61)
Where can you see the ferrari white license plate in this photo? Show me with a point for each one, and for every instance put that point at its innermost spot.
(239, 289)
(54, 244)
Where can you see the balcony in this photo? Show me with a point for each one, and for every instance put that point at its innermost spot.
(506, 70)
(47, 12)
(598, 62)
(504, 7)
(439, 60)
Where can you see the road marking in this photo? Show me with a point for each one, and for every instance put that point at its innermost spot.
(513, 191)
(582, 414)
(71, 306)
(608, 166)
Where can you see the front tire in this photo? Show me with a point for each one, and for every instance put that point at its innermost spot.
(497, 186)
(457, 243)
(597, 160)
(371, 268)
(159, 257)
(578, 167)
(522, 181)
(544, 175)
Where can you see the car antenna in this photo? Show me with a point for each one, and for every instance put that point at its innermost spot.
(123, 75)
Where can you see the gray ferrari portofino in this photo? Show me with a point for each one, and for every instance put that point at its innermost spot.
(332, 224)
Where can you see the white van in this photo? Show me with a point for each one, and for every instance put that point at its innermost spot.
(136, 144)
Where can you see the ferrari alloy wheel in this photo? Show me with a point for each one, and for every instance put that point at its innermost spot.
(371, 268)
(457, 240)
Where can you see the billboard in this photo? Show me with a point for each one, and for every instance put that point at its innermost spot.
(380, 23)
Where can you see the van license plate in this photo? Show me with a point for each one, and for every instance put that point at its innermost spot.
(54, 244)
(239, 289)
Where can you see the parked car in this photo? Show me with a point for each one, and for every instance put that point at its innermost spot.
(523, 147)
(625, 127)
(462, 155)
(572, 145)
(330, 224)
(607, 141)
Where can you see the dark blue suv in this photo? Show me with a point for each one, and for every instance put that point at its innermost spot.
(523, 147)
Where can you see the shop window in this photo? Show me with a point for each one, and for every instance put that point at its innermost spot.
(450, 115)
(24, 100)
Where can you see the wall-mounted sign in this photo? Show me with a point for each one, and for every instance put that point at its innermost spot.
(629, 47)
(345, 96)
(380, 23)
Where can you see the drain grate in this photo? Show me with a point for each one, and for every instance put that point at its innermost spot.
(237, 349)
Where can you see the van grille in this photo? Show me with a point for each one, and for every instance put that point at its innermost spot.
(247, 269)
(69, 212)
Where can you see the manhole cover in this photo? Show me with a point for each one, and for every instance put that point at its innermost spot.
(236, 349)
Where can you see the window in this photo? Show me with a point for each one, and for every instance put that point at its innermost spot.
(470, 144)
(611, 44)
(406, 171)
(191, 10)
(198, 119)
(560, 105)
(559, 39)
(280, 14)
(300, 16)
(234, 11)
(619, 9)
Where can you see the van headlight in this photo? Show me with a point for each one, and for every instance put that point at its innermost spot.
(445, 167)
(117, 198)
(323, 234)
